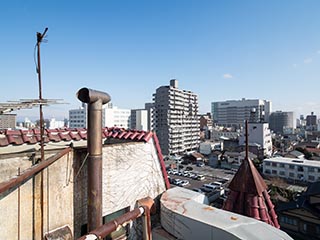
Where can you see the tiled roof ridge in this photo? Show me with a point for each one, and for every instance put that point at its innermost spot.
(249, 196)
(32, 136)
(247, 179)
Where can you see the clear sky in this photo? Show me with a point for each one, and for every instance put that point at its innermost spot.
(220, 50)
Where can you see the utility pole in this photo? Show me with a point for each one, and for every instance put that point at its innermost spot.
(39, 40)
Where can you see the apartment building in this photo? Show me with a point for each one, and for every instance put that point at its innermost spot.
(116, 117)
(291, 168)
(8, 121)
(176, 119)
(235, 112)
(78, 117)
(111, 117)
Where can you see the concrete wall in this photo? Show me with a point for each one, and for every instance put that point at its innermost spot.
(131, 171)
(57, 198)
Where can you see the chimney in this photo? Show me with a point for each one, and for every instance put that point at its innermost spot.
(95, 100)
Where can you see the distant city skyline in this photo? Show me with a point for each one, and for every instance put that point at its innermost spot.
(219, 50)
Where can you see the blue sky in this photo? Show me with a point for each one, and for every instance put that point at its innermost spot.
(220, 50)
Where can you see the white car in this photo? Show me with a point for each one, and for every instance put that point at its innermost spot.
(184, 183)
(176, 181)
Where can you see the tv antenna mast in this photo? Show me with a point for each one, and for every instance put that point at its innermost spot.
(40, 38)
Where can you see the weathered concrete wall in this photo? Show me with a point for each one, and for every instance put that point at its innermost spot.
(131, 171)
(57, 198)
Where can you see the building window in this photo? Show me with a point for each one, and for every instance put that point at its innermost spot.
(282, 173)
(311, 178)
(288, 220)
(291, 175)
(300, 177)
(291, 166)
(267, 163)
(282, 165)
(311, 169)
(274, 164)
(274, 172)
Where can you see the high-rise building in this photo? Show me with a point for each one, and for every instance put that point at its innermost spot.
(311, 122)
(233, 113)
(279, 121)
(8, 121)
(176, 119)
(139, 119)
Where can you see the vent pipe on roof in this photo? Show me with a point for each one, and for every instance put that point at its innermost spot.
(95, 100)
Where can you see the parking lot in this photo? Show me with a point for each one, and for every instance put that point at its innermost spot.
(210, 175)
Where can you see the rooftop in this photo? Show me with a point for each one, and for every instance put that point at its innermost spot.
(293, 161)
(184, 215)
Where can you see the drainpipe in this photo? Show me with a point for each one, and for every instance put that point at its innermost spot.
(95, 100)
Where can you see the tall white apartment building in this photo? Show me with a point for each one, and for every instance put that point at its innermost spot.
(139, 119)
(235, 112)
(116, 117)
(176, 119)
(291, 168)
(111, 117)
(259, 133)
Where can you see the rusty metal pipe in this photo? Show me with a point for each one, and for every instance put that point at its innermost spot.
(145, 207)
(95, 100)
(30, 172)
(113, 225)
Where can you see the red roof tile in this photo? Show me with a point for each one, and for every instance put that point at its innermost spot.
(248, 195)
(3, 141)
(14, 137)
(18, 137)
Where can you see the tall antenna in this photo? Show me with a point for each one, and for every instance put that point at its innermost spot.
(39, 40)
(247, 141)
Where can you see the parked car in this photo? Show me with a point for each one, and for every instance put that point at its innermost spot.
(219, 184)
(195, 176)
(200, 164)
(176, 181)
(184, 183)
(189, 168)
(197, 190)
(200, 177)
(192, 175)
(205, 190)
(209, 186)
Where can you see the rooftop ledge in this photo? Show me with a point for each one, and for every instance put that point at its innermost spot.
(184, 215)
